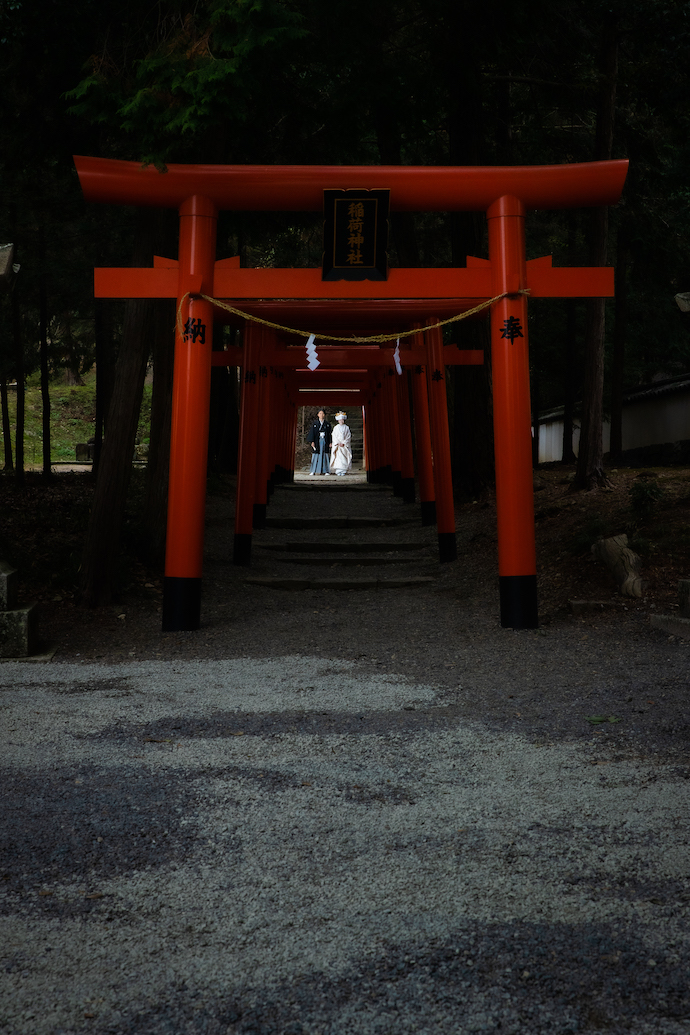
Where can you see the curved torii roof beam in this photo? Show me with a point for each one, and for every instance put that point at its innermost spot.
(299, 188)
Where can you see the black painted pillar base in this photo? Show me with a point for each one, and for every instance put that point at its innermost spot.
(397, 483)
(447, 547)
(259, 515)
(242, 549)
(428, 508)
(387, 475)
(518, 601)
(181, 604)
(271, 486)
(407, 486)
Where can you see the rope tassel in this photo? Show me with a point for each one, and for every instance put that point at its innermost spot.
(396, 357)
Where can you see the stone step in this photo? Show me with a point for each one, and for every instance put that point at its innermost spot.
(332, 484)
(351, 562)
(338, 585)
(339, 522)
(341, 547)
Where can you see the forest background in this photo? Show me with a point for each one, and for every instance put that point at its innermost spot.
(428, 82)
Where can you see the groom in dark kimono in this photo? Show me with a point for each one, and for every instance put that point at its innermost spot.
(320, 438)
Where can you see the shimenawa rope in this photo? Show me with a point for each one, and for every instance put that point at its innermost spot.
(372, 339)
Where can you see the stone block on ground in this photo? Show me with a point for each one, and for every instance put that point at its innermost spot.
(579, 607)
(8, 586)
(672, 624)
(18, 632)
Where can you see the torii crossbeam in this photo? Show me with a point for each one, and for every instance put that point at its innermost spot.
(411, 296)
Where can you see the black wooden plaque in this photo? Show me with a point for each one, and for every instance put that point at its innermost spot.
(355, 234)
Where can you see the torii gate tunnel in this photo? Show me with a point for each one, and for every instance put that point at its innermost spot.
(409, 298)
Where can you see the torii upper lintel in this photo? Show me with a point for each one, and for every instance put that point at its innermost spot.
(299, 188)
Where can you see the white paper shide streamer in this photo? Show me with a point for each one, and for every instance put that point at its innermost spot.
(312, 358)
(396, 357)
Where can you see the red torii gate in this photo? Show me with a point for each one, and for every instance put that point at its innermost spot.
(504, 193)
(363, 371)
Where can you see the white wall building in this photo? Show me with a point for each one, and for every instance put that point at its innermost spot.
(656, 422)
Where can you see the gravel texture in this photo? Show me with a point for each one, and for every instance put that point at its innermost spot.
(370, 812)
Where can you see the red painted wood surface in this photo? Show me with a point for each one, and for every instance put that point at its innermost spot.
(464, 288)
(300, 187)
(249, 427)
(406, 454)
(511, 393)
(440, 437)
(349, 358)
(422, 432)
(191, 395)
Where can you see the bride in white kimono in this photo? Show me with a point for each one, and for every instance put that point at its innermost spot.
(341, 451)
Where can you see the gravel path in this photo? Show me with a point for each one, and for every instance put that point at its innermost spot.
(368, 812)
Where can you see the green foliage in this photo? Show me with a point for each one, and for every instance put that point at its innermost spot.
(595, 528)
(190, 73)
(73, 411)
(645, 493)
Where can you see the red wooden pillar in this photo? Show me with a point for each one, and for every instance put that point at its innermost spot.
(368, 445)
(291, 445)
(247, 450)
(376, 440)
(438, 413)
(190, 417)
(283, 427)
(385, 436)
(422, 432)
(262, 470)
(394, 429)
(279, 404)
(517, 563)
(276, 417)
(372, 442)
(406, 455)
(290, 440)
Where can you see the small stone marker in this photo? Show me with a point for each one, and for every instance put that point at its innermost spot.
(678, 624)
(17, 624)
(8, 586)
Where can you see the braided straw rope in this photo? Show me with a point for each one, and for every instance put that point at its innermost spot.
(372, 339)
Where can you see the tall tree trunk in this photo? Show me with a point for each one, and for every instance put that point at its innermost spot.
(43, 333)
(100, 408)
(571, 366)
(21, 387)
(568, 456)
(105, 367)
(6, 428)
(536, 404)
(156, 491)
(590, 461)
(389, 140)
(620, 329)
(99, 559)
(472, 438)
